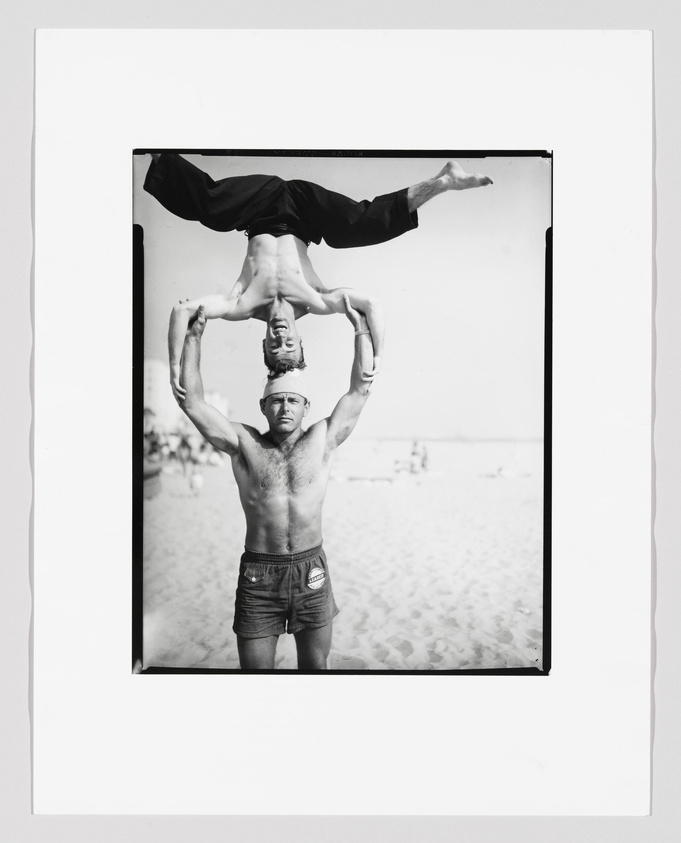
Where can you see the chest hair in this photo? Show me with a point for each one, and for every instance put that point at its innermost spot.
(286, 471)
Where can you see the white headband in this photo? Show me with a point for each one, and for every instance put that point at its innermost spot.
(292, 381)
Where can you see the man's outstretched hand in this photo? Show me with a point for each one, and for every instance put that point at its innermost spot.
(179, 391)
(369, 376)
(197, 323)
(356, 318)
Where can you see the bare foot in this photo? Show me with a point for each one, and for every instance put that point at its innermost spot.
(454, 177)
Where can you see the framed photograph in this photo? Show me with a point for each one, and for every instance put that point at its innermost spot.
(516, 373)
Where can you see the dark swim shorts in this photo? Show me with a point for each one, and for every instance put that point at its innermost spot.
(283, 592)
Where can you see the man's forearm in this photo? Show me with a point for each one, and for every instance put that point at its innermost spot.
(190, 376)
(215, 306)
(376, 324)
(372, 310)
(364, 358)
(177, 329)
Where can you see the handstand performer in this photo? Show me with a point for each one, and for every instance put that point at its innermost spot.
(277, 283)
(282, 476)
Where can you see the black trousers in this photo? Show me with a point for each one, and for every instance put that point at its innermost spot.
(261, 204)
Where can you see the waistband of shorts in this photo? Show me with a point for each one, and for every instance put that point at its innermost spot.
(282, 558)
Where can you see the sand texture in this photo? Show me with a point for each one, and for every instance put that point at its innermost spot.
(438, 570)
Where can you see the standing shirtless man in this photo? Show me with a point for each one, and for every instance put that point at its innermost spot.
(277, 283)
(282, 476)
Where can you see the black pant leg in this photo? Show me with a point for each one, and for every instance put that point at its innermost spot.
(223, 205)
(343, 223)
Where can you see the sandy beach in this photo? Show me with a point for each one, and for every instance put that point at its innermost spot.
(438, 570)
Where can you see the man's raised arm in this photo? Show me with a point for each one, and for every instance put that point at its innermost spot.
(369, 306)
(212, 425)
(345, 415)
(214, 307)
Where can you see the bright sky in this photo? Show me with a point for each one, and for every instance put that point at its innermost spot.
(463, 296)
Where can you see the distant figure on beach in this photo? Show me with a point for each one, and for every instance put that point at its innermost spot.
(419, 457)
(195, 480)
(184, 454)
(281, 218)
(282, 477)
(417, 462)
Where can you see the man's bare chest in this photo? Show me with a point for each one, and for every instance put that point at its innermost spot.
(272, 470)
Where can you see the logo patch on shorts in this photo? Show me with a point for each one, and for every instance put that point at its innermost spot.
(315, 578)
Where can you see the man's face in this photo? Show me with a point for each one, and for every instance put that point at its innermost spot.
(282, 343)
(284, 411)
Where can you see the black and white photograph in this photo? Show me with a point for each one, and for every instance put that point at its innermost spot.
(367, 488)
(455, 485)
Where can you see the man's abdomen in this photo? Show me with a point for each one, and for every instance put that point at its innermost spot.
(283, 523)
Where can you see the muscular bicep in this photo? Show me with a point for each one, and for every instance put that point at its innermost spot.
(216, 306)
(345, 416)
(330, 301)
(213, 426)
(333, 301)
